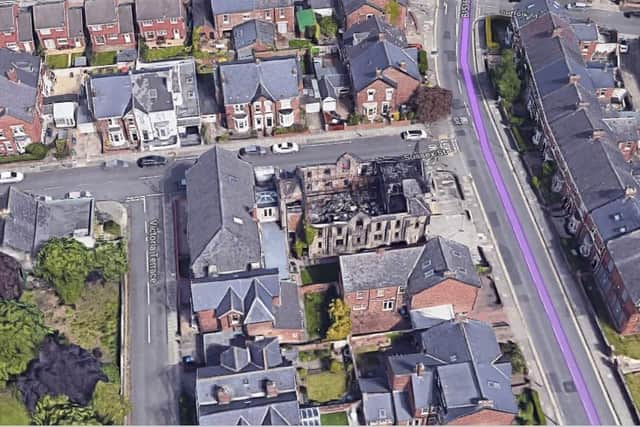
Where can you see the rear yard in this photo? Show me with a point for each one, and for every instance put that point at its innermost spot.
(321, 273)
(336, 419)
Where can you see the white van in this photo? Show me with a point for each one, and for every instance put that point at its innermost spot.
(578, 5)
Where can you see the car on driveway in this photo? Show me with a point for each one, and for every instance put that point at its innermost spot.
(623, 46)
(253, 150)
(151, 161)
(78, 194)
(285, 147)
(10, 177)
(459, 121)
(413, 134)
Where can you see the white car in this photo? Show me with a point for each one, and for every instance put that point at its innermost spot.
(623, 46)
(285, 147)
(78, 195)
(10, 177)
(414, 134)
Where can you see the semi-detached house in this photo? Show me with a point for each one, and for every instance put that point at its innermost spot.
(597, 185)
(16, 28)
(261, 95)
(110, 25)
(59, 27)
(229, 13)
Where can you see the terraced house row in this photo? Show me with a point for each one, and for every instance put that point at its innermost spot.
(581, 125)
(70, 26)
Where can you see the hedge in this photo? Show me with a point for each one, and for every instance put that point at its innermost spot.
(423, 64)
(35, 151)
(488, 32)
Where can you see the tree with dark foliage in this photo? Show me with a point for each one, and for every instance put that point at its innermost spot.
(10, 278)
(431, 103)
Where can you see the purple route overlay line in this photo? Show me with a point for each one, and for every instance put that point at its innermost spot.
(541, 288)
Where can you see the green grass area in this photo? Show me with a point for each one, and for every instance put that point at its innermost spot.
(530, 411)
(522, 145)
(58, 61)
(623, 345)
(488, 31)
(326, 386)
(512, 351)
(35, 151)
(164, 53)
(103, 58)
(316, 306)
(12, 411)
(336, 419)
(633, 382)
(300, 44)
(321, 273)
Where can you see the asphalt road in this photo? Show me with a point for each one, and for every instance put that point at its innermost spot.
(553, 364)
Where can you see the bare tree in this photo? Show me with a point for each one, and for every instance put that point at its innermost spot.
(431, 103)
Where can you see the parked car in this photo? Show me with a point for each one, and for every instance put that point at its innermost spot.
(459, 121)
(623, 46)
(78, 194)
(115, 163)
(414, 134)
(577, 5)
(253, 150)
(285, 147)
(10, 177)
(151, 161)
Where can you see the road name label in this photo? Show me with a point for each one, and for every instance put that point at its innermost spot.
(153, 251)
(464, 8)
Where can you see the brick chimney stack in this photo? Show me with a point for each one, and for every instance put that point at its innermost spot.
(419, 369)
(630, 192)
(597, 134)
(223, 395)
(12, 75)
(574, 78)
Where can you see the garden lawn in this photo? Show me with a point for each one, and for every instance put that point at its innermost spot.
(627, 346)
(326, 386)
(633, 382)
(12, 411)
(162, 53)
(58, 61)
(104, 58)
(316, 313)
(336, 419)
(321, 273)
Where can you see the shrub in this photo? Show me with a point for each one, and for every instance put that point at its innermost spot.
(535, 182)
(303, 373)
(488, 32)
(37, 150)
(112, 228)
(300, 44)
(336, 367)
(328, 26)
(423, 64)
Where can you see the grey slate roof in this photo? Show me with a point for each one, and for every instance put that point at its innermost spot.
(373, 29)
(370, 270)
(261, 412)
(366, 58)
(250, 32)
(585, 31)
(125, 18)
(201, 12)
(378, 408)
(76, 22)
(49, 15)
(150, 91)
(221, 231)
(31, 222)
(25, 25)
(7, 20)
(109, 95)
(617, 218)
(19, 98)
(158, 9)
(100, 11)
(443, 259)
(231, 6)
(321, 4)
(418, 267)
(275, 79)
(462, 357)
(624, 251)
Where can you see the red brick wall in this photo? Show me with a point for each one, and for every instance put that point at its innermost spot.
(266, 329)
(315, 288)
(485, 417)
(166, 25)
(238, 18)
(207, 321)
(249, 108)
(449, 291)
(373, 318)
(405, 87)
(57, 33)
(109, 30)
(33, 129)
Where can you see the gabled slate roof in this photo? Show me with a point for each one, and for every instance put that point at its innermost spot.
(373, 29)
(233, 6)
(125, 18)
(76, 22)
(244, 82)
(253, 31)
(100, 11)
(109, 95)
(18, 98)
(25, 25)
(49, 15)
(7, 20)
(221, 230)
(158, 9)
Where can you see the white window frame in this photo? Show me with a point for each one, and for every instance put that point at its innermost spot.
(173, 20)
(388, 304)
(359, 294)
(113, 36)
(371, 94)
(96, 28)
(388, 94)
(380, 293)
(161, 33)
(12, 46)
(63, 41)
(18, 130)
(257, 107)
(99, 39)
(45, 31)
(2, 134)
(225, 19)
(359, 307)
(147, 23)
(246, 17)
(238, 108)
(160, 21)
(149, 35)
(267, 15)
(282, 13)
(402, 289)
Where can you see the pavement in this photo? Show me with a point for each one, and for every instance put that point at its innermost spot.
(552, 368)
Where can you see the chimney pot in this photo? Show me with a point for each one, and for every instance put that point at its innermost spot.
(223, 396)
(271, 388)
(378, 72)
(630, 192)
(597, 134)
(419, 369)
(574, 78)
(557, 32)
(403, 65)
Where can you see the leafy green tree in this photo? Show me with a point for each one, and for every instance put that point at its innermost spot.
(340, 320)
(65, 264)
(328, 26)
(58, 410)
(12, 410)
(111, 260)
(506, 77)
(392, 10)
(22, 330)
(108, 404)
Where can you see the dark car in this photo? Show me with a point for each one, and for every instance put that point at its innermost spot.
(253, 150)
(151, 161)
